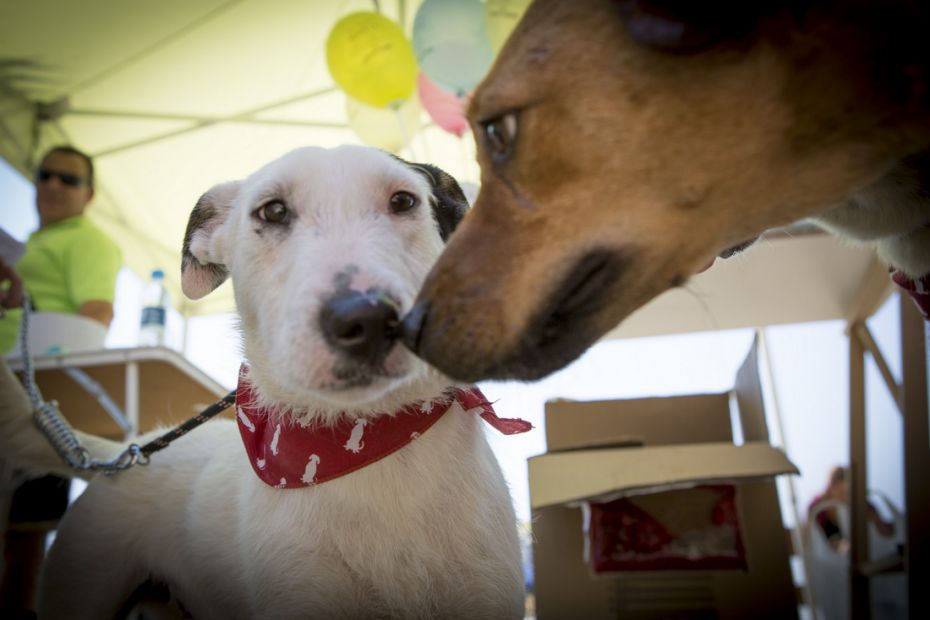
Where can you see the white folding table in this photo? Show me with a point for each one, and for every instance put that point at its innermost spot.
(147, 388)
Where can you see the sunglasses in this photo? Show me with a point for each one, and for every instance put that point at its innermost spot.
(71, 180)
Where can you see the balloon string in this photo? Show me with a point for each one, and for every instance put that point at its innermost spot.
(404, 134)
(424, 144)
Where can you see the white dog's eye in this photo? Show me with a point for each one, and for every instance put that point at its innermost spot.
(402, 201)
(500, 134)
(273, 212)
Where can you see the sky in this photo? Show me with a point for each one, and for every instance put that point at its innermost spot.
(807, 400)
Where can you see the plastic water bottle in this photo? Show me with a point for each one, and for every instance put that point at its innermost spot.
(154, 311)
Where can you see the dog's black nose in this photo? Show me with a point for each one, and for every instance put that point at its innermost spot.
(361, 325)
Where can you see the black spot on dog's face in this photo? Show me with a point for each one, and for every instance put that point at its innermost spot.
(448, 200)
(342, 281)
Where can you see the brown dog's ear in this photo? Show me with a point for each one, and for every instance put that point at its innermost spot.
(203, 262)
(449, 202)
(686, 26)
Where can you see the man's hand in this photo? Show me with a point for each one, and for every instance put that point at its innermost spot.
(11, 287)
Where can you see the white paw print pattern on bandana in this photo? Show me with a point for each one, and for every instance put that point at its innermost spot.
(355, 443)
(274, 440)
(309, 476)
(246, 422)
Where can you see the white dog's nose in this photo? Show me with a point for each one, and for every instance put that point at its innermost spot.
(363, 326)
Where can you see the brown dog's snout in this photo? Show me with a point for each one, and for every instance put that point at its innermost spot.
(585, 288)
(569, 319)
(363, 326)
(566, 321)
(412, 325)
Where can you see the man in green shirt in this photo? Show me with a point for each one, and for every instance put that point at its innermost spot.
(70, 266)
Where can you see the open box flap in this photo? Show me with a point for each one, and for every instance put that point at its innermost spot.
(654, 421)
(558, 478)
(748, 389)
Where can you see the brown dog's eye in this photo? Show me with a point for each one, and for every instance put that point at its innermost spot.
(273, 212)
(500, 133)
(402, 201)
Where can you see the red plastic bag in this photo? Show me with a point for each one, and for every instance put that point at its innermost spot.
(690, 529)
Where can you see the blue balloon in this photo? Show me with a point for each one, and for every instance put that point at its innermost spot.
(450, 40)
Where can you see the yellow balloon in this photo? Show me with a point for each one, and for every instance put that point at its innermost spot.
(501, 17)
(390, 129)
(371, 60)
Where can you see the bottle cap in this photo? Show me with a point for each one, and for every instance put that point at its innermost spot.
(158, 273)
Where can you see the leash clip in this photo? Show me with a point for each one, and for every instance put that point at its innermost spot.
(132, 455)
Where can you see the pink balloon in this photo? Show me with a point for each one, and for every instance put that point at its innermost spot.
(446, 109)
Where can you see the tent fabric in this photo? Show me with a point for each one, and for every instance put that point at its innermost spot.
(171, 97)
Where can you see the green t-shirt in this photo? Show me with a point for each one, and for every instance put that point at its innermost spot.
(65, 265)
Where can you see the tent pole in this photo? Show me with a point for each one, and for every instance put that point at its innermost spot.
(865, 337)
(914, 349)
(859, 601)
(797, 534)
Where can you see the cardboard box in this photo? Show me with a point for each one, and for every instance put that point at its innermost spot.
(651, 451)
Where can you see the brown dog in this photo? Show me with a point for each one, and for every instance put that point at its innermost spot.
(625, 143)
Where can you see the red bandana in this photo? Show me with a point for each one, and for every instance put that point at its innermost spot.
(919, 290)
(290, 455)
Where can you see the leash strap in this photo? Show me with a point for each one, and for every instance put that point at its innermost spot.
(160, 443)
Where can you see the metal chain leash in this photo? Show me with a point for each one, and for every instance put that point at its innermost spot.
(47, 416)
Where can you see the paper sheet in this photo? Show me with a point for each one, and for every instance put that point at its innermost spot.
(11, 250)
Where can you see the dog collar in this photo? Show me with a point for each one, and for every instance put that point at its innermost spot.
(918, 289)
(295, 454)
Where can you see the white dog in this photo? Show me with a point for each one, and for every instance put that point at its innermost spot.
(326, 248)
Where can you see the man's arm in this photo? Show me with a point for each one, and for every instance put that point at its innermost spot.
(98, 310)
(884, 528)
(93, 264)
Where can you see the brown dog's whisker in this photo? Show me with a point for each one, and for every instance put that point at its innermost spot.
(715, 325)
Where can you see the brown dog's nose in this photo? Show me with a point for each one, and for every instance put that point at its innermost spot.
(363, 326)
(412, 325)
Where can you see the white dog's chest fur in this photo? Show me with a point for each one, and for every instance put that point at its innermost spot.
(382, 540)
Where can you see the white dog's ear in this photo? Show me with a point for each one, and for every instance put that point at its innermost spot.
(203, 261)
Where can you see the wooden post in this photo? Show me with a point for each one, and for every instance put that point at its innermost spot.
(859, 598)
(916, 459)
